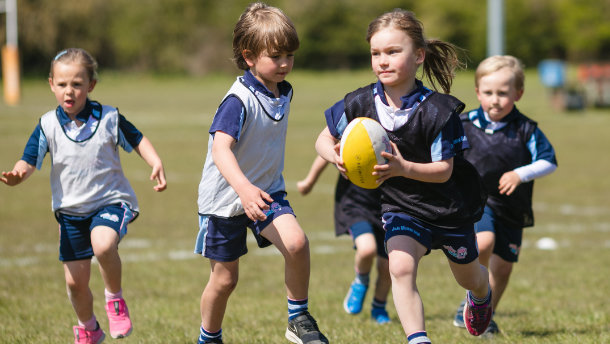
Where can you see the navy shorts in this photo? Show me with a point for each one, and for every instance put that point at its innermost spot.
(459, 244)
(75, 231)
(224, 239)
(507, 238)
(364, 227)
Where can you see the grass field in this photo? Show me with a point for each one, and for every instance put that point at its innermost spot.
(557, 296)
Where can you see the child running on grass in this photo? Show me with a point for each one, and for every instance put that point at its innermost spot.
(92, 200)
(358, 213)
(509, 151)
(431, 196)
(242, 184)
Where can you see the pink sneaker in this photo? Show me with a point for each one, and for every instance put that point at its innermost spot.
(118, 318)
(477, 317)
(82, 336)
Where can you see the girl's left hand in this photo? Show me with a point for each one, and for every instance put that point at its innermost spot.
(13, 177)
(158, 174)
(395, 166)
(508, 183)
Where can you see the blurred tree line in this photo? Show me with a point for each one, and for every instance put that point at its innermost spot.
(194, 36)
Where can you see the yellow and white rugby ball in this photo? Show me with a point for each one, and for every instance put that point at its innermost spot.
(361, 145)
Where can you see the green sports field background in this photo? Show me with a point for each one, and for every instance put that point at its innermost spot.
(555, 296)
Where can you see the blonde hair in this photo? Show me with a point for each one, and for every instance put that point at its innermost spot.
(441, 58)
(495, 63)
(76, 55)
(262, 28)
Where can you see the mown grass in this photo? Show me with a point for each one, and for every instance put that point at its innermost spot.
(555, 296)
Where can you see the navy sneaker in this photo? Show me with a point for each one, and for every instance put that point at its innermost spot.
(303, 329)
(355, 298)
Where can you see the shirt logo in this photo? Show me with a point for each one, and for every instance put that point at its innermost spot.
(110, 217)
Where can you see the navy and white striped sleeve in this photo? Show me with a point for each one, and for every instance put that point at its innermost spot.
(541, 148)
(336, 120)
(229, 117)
(36, 148)
(129, 135)
(450, 141)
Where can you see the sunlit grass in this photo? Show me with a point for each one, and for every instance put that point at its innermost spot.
(554, 296)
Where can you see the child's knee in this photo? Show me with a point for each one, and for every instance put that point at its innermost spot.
(104, 241)
(104, 249)
(225, 282)
(366, 251)
(298, 245)
(399, 270)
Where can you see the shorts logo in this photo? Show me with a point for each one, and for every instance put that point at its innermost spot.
(405, 229)
(275, 207)
(110, 217)
(460, 253)
(514, 249)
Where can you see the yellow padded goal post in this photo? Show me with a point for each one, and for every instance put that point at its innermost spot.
(10, 54)
(10, 74)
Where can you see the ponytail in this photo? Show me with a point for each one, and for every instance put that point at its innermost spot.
(442, 59)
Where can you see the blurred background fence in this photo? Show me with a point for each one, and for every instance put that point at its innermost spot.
(194, 36)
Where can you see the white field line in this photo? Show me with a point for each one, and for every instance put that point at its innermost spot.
(572, 210)
(325, 242)
(153, 253)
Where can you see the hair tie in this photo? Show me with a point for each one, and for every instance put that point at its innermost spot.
(62, 53)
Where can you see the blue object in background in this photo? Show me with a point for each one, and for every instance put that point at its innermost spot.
(552, 73)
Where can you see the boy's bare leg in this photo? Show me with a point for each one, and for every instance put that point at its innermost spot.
(366, 250)
(384, 281)
(286, 234)
(499, 275)
(222, 282)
